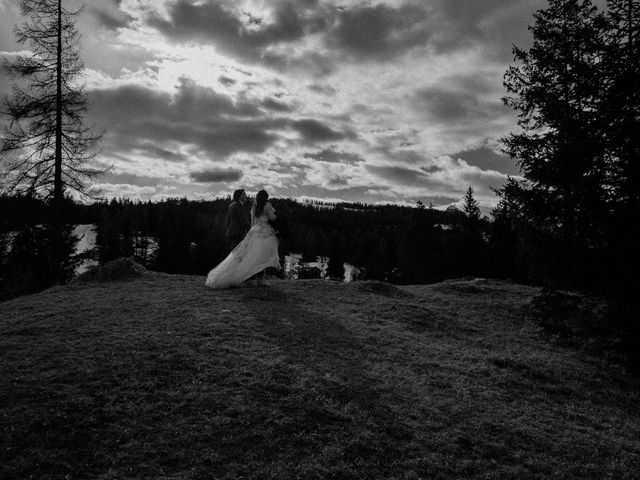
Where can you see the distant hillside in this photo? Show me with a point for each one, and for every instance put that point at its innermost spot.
(156, 376)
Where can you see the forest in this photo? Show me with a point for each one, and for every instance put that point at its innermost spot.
(398, 244)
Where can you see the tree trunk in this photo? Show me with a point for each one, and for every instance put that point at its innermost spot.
(57, 185)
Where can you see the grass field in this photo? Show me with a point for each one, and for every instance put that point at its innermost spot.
(160, 378)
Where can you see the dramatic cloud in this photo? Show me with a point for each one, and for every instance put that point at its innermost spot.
(376, 101)
(275, 105)
(109, 15)
(332, 156)
(315, 131)
(379, 31)
(193, 115)
(444, 105)
(403, 176)
(215, 175)
(223, 25)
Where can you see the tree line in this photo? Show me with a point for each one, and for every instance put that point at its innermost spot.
(395, 243)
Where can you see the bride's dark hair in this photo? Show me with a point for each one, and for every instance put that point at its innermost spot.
(261, 200)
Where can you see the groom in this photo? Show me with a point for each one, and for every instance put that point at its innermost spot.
(238, 223)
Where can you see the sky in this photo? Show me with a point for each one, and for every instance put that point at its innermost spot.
(388, 101)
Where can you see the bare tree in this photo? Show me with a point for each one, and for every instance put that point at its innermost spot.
(47, 146)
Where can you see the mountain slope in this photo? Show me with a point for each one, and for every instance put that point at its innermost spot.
(159, 377)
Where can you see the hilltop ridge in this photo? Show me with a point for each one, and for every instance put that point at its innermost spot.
(156, 376)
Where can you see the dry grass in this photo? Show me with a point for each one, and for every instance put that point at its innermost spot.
(159, 377)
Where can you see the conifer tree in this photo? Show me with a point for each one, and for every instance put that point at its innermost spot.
(622, 105)
(47, 146)
(471, 206)
(556, 88)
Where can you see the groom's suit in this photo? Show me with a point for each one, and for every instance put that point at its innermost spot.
(237, 224)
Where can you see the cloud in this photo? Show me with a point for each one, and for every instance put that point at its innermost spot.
(327, 90)
(275, 105)
(421, 77)
(109, 190)
(226, 81)
(331, 155)
(192, 115)
(221, 24)
(155, 151)
(401, 175)
(110, 16)
(315, 131)
(446, 105)
(216, 175)
(487, 159)
(379, 32)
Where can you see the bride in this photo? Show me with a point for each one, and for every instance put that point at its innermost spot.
(257, 250)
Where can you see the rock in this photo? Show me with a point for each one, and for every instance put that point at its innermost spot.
(119, 269)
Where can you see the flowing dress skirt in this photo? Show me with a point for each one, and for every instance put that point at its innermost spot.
(257, 251)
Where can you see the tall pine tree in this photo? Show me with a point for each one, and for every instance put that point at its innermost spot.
(47, 147)
(557, 89)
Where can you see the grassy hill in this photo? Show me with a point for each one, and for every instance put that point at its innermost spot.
(159, 377)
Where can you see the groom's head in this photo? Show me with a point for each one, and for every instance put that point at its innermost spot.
(239, 195)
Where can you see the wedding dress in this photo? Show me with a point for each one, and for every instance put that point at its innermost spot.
(257, 251)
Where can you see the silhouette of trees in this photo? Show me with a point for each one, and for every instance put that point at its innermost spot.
(28, 266)
(471, 207)
(576, 91)
(387, 242)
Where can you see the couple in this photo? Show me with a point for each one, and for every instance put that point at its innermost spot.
(252, 249)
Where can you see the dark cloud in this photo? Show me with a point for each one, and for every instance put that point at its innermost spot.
(324, 89)
(140, 119)
(194, 114)
(219, 24)
(214, 175)
(191, 102)
(332, 156)
(495, 24)
(449, 106)
(477, 83)
(226, 81)
(363, 32)
(446, 106)
(315, 131)
(337, 181)
(110, 21)
(275, 105)
(165, 154)
(220, 138)
(380, 31)
(487, 159)
(109, 15)
(132, 179)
